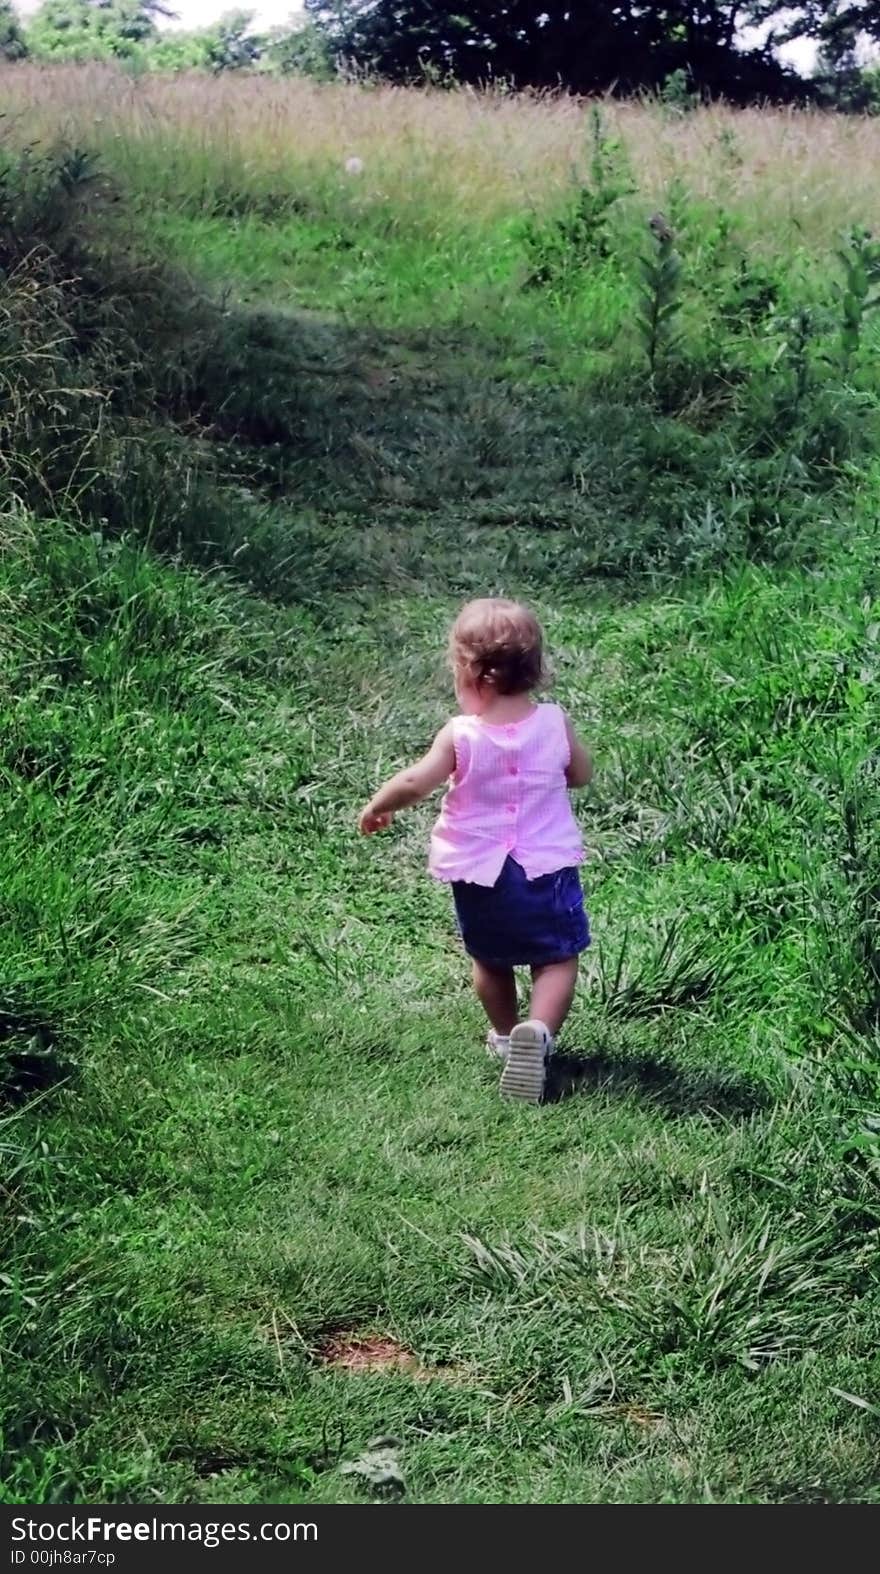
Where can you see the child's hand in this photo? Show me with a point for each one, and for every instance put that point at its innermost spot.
(369, 822)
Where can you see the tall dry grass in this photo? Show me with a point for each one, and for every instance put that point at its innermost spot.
(793, 176)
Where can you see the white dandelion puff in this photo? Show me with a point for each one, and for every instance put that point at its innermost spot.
(354, 166)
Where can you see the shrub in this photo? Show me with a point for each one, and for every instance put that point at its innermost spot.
(559, 248)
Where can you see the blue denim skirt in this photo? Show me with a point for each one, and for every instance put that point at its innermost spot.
(522, 923)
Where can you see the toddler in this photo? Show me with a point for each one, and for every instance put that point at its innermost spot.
(506, 839)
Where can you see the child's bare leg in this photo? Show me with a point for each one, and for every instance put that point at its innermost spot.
(496, 988)
(552, 992)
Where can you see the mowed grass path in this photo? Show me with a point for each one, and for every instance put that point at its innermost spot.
(279, 1123)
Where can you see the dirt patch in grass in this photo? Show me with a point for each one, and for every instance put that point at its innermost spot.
(349, 1351)
(639, 1415)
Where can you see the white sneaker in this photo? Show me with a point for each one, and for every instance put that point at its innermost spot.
(497, 1044)
(525, 1069)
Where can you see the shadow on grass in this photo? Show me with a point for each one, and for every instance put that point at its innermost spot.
(673, 1088)
(341, 458)
(30, 1059)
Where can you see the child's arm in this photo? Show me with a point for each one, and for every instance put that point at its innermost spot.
(409, 786)
(580, 766)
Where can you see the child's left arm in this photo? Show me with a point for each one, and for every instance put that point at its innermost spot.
(580, 765)
(411, 785)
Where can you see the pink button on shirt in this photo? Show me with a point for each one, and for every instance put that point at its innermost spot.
(507, 796)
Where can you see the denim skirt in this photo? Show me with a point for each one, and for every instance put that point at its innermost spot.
(522, 923)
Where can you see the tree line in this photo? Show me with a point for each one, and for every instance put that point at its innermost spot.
(712, 48)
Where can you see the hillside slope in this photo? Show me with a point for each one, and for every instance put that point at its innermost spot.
(249, 1134)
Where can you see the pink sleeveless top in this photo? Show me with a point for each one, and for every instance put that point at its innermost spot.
(507, 797)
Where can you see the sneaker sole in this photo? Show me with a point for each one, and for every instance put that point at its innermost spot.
(525, 1071)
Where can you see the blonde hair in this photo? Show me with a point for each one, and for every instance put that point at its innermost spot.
(500, 643)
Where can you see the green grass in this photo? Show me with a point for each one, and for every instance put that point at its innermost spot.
(244, 1103)
(274, 1117)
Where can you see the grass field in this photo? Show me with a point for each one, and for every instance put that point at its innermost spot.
(247, 1114)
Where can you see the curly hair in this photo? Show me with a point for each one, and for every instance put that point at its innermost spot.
(500, 643)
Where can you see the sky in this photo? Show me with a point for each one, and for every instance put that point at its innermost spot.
(268, 13)
(198, 13)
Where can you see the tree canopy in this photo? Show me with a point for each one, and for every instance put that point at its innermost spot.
(90, 29)
(126, 29)
(838, 26)
(13, 44)
(715, 48)
(592, 46)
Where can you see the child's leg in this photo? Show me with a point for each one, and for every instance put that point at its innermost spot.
(553, 989)
(524, 1073)
(496, 988)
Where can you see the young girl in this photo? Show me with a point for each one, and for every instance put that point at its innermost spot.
(506, 839)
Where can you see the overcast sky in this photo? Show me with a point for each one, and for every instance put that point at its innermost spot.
(196, 13)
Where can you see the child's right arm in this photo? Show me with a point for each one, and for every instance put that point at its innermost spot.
(411, 785)
(580, 766)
